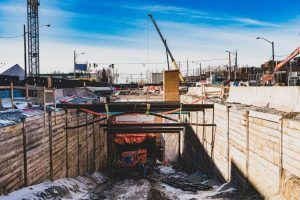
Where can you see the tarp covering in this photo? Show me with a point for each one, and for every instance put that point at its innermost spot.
(132, 138)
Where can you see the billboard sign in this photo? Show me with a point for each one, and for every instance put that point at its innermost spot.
(81, 67)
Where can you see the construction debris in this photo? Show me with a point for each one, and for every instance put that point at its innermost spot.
(186, 185)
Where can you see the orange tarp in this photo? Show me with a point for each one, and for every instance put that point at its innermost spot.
(132, 138)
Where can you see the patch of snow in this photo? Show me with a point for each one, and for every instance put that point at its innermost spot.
(66, 188)
(6, 122)
(166, 169)
(174, 193)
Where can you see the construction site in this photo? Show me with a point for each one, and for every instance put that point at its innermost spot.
(218, 132)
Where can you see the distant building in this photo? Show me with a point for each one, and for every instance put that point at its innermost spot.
(156, 78)
(15, 70)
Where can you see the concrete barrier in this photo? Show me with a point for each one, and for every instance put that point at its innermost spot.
(262, 96)
(286, 99)
(249, 96)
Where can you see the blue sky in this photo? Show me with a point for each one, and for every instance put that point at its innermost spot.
(116, 31)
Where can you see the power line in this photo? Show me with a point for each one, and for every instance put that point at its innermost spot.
(153, 63)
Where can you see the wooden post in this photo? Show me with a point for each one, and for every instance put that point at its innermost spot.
(24, 157)
(213, 136)
(12, 95)
(247, 148)
(26, 92)
(94, 144)
(228, 145)
(67, 138)
(78, 149)
(87, 142)
(44, 98)
(50, 147)
(54, 99)
(281, 172)
(44, 104)
(1, 105)
(203, 128)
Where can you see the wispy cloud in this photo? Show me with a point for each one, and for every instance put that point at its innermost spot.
(249, 21)
(198, 14)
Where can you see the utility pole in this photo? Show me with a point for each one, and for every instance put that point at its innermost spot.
(229, 66)
(74, 64)
(200, 70)
(187, 70)
(273, 57)
(117, 76)
(236, 64)
(25, 50)
(193, 75)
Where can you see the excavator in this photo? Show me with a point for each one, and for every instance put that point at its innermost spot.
(269, 78)
(167, 48)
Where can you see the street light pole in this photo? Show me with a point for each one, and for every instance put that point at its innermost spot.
(273, 51)
(25, 57)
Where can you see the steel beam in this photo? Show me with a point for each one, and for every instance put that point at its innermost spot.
(143, 125)
(120, 125)
(142, 132)
(138, 107)
(121, 129)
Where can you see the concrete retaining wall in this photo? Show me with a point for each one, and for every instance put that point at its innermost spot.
(41, 148)
(250, 147)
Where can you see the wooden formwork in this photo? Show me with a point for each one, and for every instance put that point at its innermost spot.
(72, 143)
(12, 158)
(249, 146)
(43, 148)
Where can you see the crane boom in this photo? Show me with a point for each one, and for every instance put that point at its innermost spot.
(290, 57)
(167, 48)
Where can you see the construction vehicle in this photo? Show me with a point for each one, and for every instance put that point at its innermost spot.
(133, 158)
(269, 78)
(167, 48)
